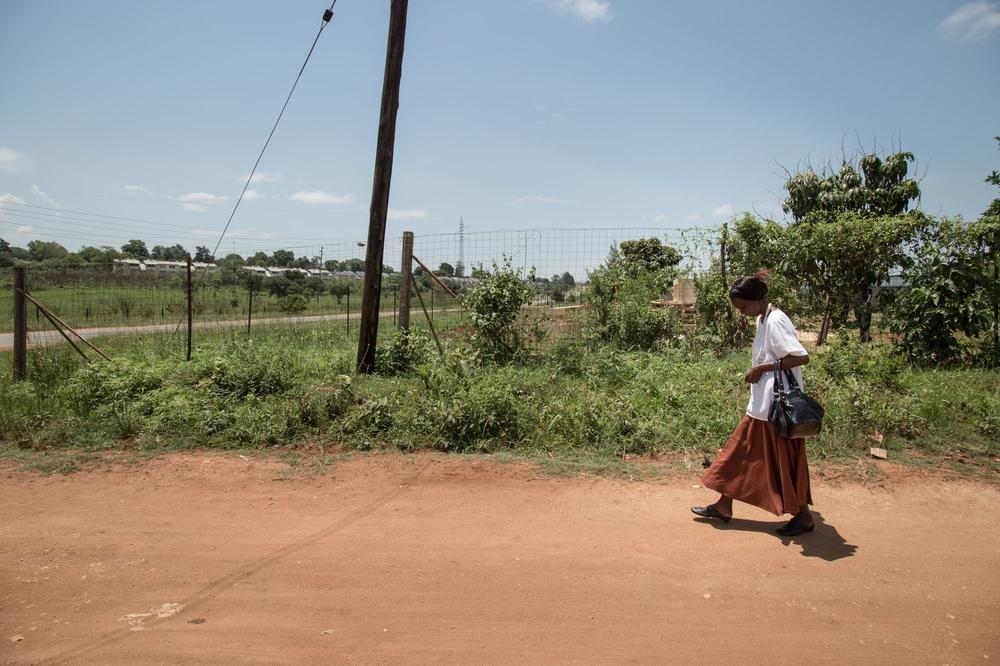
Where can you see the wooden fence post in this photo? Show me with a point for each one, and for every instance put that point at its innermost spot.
(190, 307)
(405, 281)
(250, 308)
(20, 326)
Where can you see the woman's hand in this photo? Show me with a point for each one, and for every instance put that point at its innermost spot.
(755, 373)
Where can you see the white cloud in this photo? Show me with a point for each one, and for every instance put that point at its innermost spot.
(590, 11)
(535, 198)
(139, 189)
(11, 198)
(201, 198)
(25, 230)
(662, 217)
(199, 202)
(262, 177)
(558, 116)
(725, 210)
(407, 214)
(973, 20)
(12, 161)
(323, 198)
(256, 195)
(38, 191)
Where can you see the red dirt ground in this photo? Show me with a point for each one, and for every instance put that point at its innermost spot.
(214, 559)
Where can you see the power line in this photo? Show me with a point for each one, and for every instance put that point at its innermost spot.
(56, 215)
(327, 15)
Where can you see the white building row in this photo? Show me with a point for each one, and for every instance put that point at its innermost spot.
(158, 266)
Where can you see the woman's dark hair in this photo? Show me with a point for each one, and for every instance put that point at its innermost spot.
(749, 288)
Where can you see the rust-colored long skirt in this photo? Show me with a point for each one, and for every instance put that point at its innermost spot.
(760, 468)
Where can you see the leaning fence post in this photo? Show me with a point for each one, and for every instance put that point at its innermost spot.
(190, 307)
(405, 281)
(20, 326)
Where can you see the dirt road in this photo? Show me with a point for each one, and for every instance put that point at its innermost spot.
(214, 559)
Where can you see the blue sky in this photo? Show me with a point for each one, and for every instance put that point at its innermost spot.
(513, 115)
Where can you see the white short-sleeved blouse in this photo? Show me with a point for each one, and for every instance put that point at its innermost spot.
(775, 339)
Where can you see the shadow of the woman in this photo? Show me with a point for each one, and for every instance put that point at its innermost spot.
(824, 542)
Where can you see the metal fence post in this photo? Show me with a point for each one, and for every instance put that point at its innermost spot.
(20, 326)
(348, 311)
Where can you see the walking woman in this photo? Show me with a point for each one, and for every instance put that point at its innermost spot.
(757, 466)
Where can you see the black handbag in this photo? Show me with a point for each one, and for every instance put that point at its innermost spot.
(793, 414)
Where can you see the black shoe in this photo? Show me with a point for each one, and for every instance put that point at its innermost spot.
(710, 512)
(794, 528)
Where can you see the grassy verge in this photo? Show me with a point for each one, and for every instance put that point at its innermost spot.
(571, 406)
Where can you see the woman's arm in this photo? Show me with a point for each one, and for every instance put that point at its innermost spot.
(787, 363)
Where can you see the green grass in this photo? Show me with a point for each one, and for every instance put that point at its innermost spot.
(85, 305)
(569, 405)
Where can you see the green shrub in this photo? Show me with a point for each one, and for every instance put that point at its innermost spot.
(403, 354)
(877, 365)
(489, 413)
(621, 291)
(947, 293)
(293, 303)
(494, 305)
(249, 368)
(118, 382)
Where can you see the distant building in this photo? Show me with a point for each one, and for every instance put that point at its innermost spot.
(159, 266)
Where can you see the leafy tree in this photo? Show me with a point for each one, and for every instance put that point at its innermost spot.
(947, 292)
(994, 179)
(284, 285)
(354, 265)
(647, 255)
(203, 255)
(169, 253)
(259, 259)
(340, 288)
(446, 269)
(567, 280)
(302, 262)
(831, 254)
(232, 262)
(315, 285)
(622, 289)
(332, 265)
(135, 249)
(282, 258)
(987, 233)
(46, 250)
(874, 187)
(98, 255)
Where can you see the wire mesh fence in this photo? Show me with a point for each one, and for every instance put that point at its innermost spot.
(318, 285)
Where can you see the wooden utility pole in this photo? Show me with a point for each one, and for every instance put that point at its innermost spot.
(371, 296)
(20, 326)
